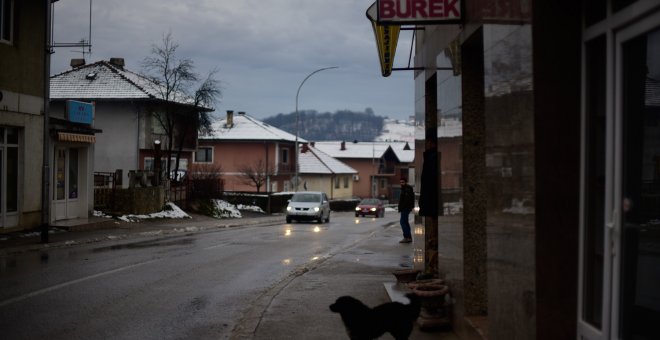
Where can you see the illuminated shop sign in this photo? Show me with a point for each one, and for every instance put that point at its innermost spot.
(411, 12)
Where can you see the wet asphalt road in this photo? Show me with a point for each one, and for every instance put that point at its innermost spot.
(189, 286)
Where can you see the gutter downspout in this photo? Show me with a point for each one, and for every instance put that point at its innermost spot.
(45, 183)
(332, 186)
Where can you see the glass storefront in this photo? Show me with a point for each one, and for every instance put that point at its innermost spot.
(620, 256)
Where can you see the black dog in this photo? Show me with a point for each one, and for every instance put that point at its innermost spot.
(364, 323)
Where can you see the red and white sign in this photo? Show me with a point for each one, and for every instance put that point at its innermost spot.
(418, 11)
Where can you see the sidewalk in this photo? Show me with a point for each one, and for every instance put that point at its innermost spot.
(295, 308)
(96, 229)
(298, 307)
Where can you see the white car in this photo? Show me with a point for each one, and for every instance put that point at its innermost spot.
(308, 206)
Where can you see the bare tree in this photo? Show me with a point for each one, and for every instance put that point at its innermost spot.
(184, 112)
(205, 171)
(256, 174)
(206, 180)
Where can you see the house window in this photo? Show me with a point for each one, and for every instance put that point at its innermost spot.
(156, 123)
(149, 163)
(336, 182)
(6, 18)
(204, 154)
(383, 183)
(285, 156)
(346, 179)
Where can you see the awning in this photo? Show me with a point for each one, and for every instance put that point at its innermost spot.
(75, 137)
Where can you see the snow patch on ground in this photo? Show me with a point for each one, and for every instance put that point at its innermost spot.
(250, 208)
(223, 209)
(171, 211)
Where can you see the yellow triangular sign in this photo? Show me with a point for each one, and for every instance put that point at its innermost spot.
(386, 40)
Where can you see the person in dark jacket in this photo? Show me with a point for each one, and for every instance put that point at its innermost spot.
(406, 205)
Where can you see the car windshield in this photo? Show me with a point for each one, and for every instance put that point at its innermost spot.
(370, 201)
(306, 198)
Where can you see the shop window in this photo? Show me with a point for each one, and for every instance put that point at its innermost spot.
(640, 166)
(8, 169)
(73, 174)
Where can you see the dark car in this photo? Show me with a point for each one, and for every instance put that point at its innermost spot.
(370, 206)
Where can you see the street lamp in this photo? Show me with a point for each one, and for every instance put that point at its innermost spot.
(156, 165)
(297, 178)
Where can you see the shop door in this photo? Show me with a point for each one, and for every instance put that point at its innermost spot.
(66, 183)
(635, 293)
(2, 176)
(9, 177)
(620, 234)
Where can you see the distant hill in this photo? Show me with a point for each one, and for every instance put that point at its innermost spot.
(341, 125)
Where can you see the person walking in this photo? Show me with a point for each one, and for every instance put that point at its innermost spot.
(406, 205)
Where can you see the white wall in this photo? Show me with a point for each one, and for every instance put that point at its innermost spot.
(117, 146)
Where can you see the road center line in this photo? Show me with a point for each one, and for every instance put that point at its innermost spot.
(69, 283)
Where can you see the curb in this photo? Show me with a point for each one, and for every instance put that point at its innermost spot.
(106, 231)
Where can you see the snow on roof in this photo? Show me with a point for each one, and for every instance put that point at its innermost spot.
(367, 150)
(403, 153)
(245, 127)
(103, 80)
(315, 161)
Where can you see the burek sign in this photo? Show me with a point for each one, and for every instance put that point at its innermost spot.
(410, 12)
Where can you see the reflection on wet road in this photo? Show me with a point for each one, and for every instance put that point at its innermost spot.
(142, 289)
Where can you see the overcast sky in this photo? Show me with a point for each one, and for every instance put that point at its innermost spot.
(262, 48)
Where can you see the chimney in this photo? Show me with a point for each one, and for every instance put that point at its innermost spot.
(313, 144)
(304, 148)
(343, 146)
(230, 119)
(118, 62)
(77, 63)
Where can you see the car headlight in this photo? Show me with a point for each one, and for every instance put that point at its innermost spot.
(357, 208)
(373, 209)
(288, 208)
(317, 209)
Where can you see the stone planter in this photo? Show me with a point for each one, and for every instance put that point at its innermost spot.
(405, 275)
(435, 309)
(414, 284)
